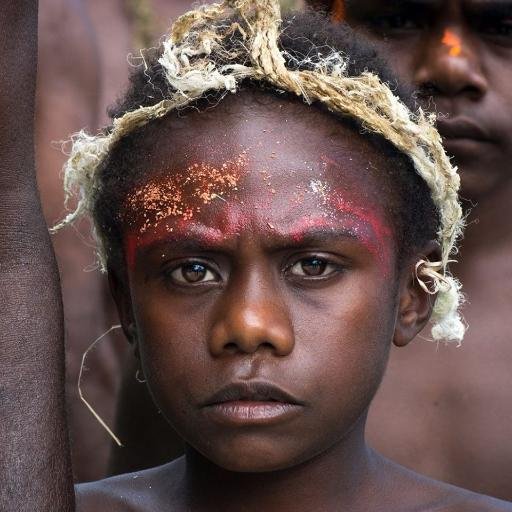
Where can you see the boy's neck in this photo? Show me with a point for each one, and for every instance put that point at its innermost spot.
(339, 477)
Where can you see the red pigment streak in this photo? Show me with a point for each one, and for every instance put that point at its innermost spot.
(228, 222)
(178, 197)
(453, 42)
(182, 194)
(338, 200)
(382, 232)
(302, 227)
(163, 233)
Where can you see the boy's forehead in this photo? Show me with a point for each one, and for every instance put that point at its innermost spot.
(277, 167)
(267, 158)
(273, 136)
(247, 186)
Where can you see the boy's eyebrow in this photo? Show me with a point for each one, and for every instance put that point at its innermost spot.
(193, 236)
(196, 242)
(316, 235)
(185, 244)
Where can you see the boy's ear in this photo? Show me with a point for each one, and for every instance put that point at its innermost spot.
(415, 304)
(122, 298)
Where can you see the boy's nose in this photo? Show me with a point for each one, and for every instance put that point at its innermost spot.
(451, 66)
(252, 317)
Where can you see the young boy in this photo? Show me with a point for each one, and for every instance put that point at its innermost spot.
(457, 426)
(261, 273)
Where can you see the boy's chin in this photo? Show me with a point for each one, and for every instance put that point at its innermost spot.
(256, 457)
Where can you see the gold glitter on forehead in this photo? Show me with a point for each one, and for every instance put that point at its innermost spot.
(181, 194)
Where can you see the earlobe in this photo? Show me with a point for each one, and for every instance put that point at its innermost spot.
(416, 301)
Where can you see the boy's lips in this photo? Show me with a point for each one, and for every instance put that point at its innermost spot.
(251, 403)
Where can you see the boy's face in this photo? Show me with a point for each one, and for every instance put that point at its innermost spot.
(460, 52)
(263, 305)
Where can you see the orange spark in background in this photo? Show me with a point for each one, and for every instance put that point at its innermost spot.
(338, 10)
(453, 42)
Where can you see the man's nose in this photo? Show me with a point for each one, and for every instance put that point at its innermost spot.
(252, 317)
(451, 66)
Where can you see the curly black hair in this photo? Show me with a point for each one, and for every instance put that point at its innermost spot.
(305, 37)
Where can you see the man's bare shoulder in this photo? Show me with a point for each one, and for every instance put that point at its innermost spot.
(143, 491)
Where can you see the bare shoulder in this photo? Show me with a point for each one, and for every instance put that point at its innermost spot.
(417, 493)
(448, 498)
(151, 490)
(466, 501)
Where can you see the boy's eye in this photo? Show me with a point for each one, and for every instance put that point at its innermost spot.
(313, 267)
(193, 273)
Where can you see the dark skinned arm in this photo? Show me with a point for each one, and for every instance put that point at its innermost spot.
(35, 471)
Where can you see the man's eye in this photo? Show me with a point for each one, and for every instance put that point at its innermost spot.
(497, 27)
(193, 273)
(313, 267)
(396, 23)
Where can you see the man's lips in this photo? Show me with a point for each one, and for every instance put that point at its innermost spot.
(251, 403)
(460, 128)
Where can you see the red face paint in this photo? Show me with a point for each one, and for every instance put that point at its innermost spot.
(380, 244)
(167, 202)
(361, 208)
(164, 232)
(174, 208)
(303, 226)
(453, 42)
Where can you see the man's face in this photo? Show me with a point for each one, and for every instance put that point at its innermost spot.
(459, 54)
(264, 303)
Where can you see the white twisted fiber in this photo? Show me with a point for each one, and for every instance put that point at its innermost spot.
(190, 61)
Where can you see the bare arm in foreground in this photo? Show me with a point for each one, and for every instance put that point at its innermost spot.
(35, 473)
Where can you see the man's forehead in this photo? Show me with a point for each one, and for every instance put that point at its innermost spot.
(438, 5)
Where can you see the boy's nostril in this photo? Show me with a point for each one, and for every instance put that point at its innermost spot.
(231, 347)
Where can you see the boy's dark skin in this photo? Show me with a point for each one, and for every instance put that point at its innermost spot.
(32, 416)
(256, 318)
(453, 418)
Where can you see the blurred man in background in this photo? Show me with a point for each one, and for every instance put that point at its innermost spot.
(453, 416)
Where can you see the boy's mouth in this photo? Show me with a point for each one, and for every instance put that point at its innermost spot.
(251, 403)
